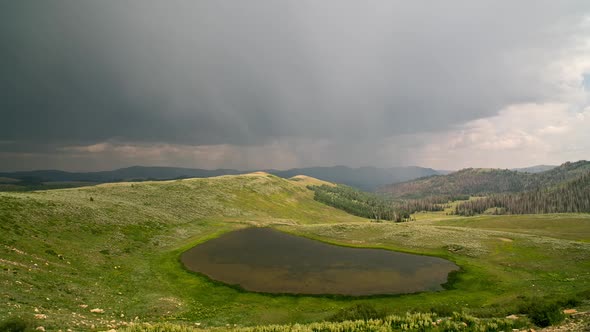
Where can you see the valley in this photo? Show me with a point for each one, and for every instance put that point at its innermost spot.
(107, 256)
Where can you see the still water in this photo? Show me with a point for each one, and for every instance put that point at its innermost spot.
(270, 261)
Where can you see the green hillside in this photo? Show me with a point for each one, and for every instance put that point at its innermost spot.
(107, 256)
(113, 246)
(483, 181)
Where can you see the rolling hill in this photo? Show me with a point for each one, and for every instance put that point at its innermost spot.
(114, 246)
(481, 181)
(107, 257)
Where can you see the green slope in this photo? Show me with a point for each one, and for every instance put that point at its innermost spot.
(115, 247)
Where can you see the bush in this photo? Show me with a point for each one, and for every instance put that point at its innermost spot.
(570, 302)
(546, 314)
(361, 311)
(15, 324)
(442, 310)
(543, 313)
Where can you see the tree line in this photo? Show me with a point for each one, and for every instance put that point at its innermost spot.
(570, 197)
(430, 204)
(359, 203)
(379, 207)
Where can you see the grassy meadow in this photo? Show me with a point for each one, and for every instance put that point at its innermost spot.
(106, 256)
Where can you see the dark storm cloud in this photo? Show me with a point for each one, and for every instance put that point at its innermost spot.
(83, 72)
(250, 72)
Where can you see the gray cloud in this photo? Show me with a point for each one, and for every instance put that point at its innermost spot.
(351, 74)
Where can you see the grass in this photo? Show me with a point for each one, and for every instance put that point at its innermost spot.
(115, 247)
(561, 226)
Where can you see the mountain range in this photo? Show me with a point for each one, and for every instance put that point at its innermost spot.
(535, 169)
(364, 178)
(482, 181)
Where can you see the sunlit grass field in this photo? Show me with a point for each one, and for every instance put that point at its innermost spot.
(115, 248)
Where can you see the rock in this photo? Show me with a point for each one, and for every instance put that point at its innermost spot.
(40, 316)
(570, 311)
(40, 328)
(513, 316)
(84, 306)
(97, 311)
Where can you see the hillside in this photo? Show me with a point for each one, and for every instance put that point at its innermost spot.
(365, 178)
(96, 246)
(481, 181)
(569, 197)
(104, 257)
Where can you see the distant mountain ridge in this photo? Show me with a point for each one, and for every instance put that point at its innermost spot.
(478, 181)
(535, 169)
(128, 173)
(365, 178)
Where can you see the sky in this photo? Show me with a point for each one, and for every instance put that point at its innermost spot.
(258, 84)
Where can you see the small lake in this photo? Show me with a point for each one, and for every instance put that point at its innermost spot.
(269, 261)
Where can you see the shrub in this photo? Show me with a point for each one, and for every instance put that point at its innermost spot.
(442, 310)
(570, 302)
(543, 313)
(546, 314)
(361, 311)
(15, 324)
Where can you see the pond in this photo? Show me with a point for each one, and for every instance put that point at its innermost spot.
(269, 261)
